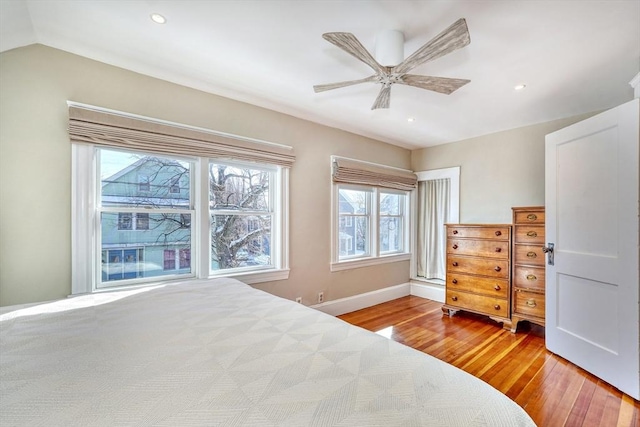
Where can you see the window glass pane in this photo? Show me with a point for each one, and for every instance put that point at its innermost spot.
(145, 252)
(353, 201)
(391, 204)
(240, 241)
(390, 234)
(354, 239)
(238, 188)
(131, 180)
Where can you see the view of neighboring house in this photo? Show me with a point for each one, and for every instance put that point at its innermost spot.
(347, 228)
(146, 239)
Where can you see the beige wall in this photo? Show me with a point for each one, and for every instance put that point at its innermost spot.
(497, 171)
(35, 171)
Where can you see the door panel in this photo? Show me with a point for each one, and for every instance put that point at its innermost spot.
(591, 194)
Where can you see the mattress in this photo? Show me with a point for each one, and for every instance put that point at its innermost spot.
(221, 353)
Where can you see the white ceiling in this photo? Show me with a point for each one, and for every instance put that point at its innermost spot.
(574, 56)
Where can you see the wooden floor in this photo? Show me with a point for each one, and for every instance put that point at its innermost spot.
(553, 391)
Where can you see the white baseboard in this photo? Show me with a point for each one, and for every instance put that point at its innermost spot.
(428, 290)
(368, 299)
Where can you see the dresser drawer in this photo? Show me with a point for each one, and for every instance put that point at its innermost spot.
(529, 277)
(529, 217)
(484, 232)
(528, 303)
(498, 288)
(496, 268)
(529, 255)
(481, 248)
(529, 234)
(479, 303)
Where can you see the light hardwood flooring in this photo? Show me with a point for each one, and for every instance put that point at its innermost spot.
(553, 391)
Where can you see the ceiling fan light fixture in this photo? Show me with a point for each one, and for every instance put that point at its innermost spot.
(390, 47)
(411, 119)
(158, 19)
(520, 86)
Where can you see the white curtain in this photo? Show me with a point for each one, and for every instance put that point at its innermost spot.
(433, 213)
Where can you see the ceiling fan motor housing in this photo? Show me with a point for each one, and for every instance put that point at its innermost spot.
(390, 47)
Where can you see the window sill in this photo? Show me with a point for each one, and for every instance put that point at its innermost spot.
(251, 277)
(366, 262)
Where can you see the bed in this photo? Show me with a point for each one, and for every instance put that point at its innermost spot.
(219, 352)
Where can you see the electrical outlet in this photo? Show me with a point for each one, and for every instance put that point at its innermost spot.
(320, 297)
(299, 300)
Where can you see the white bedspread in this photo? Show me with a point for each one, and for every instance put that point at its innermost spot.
(218, 352)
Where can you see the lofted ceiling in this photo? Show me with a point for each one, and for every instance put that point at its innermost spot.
(573, 56)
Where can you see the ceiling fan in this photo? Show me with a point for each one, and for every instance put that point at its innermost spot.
(451, 39)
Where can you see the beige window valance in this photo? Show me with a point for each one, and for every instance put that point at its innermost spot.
(94, 126)
(349, 171)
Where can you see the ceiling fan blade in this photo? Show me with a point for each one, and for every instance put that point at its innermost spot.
(384, 98)
(453, 38)
(337, 85)
(350, 44)
(437, 84)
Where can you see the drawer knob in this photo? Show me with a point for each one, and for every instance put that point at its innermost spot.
(455, 231)
(455, 263)
(531, 255)
(498, 249)
(531, 303)
(454, 281)
(497, 287)
(455, 246)
(532, 234)
(532, 217)
(531, 277)
(454, 298)
(497, 306)
(498, 233)
(497, 268)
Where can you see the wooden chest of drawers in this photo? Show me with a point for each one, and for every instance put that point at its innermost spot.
(528, 287)
(478, 270)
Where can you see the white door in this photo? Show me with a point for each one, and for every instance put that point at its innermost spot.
(591, 195)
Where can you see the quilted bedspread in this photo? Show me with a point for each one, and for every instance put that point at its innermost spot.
(218, 352)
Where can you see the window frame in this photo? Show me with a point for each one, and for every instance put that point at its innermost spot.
(375, 255)
(85, 225)
(272, 212)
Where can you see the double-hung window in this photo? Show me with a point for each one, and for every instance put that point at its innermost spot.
(142, 229)
(145, 215)
(371, 222)
(242, 203)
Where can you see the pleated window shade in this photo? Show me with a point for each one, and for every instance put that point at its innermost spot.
(349, 171)
(89, 126)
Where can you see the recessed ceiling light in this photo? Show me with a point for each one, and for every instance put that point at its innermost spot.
(520, 87)
(411, 119)
(158, 19)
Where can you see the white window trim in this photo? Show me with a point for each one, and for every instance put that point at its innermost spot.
(374, 257)
(85, 222)
(453, 173)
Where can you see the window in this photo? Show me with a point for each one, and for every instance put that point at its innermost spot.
(175, 185)
(126, 212)
(372, 226)
(169, 259)
(391, 208)
(150, 233)
(125, 219)
(142, 221)
(242, 213)
(143, 183)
